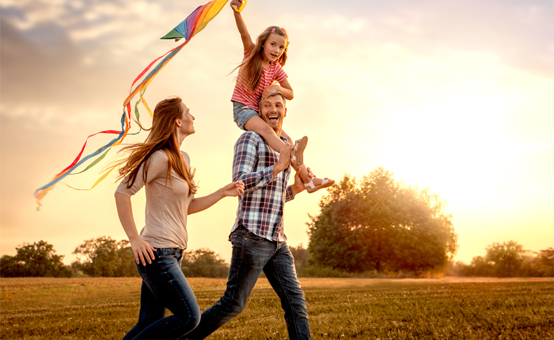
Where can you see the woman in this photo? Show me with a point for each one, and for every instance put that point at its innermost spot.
(164, 169)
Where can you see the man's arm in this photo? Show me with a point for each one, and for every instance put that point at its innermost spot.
(296, 188)
(245, 159)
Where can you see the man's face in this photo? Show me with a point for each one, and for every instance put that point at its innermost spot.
(273, 111)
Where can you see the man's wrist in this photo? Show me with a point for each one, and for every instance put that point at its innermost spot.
(277, 169)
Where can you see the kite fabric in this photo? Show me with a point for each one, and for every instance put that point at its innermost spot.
(187, 29)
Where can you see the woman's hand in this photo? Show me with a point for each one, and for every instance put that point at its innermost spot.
(143, 251)
(233, 189)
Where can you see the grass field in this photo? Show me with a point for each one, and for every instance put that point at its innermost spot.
(105, 308)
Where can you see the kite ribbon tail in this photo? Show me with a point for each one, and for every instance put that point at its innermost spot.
(42, 191)
(96, 161)
(153, 74)
(98, 180)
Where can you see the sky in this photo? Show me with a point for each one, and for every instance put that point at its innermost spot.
(454, 96)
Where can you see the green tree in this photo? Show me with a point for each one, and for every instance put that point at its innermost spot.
(104, 256)
(479, 266)
(301, 256)
(10, 267)
(38, 259)
(381, 224)
(506, 258)
(545, 262)
(203, 263)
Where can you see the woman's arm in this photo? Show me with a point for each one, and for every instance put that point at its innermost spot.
(241, 25)
(202, 203)
(142, 250)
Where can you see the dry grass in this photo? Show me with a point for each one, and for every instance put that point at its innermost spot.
(449, 308)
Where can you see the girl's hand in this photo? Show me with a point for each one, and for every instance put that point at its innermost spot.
(271, 89)
(236, 3)
(233, 189)
(143, 251)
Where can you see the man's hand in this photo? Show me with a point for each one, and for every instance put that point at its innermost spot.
(284, 159)
(233, 189)
(298, 185)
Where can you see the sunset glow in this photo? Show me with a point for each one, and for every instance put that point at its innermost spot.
(454, 96)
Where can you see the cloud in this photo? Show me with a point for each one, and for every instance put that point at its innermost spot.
(67, 54)
(516, 31)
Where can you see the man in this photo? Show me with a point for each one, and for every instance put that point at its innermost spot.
(257, 236)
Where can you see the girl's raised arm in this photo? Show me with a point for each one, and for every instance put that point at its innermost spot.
(241, 25)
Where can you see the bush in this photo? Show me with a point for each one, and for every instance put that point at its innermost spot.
(317, 271)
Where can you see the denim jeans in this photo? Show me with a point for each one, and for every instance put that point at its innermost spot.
(242, 113)
(164, 286)
(251, 255)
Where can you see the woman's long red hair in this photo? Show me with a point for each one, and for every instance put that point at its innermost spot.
(162, 136)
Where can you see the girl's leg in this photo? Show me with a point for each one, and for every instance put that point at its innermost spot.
(259, 126)
(312, 184)
(297, 156)
(249, 119)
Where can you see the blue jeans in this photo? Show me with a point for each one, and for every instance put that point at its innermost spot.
(242, 113)
(164, 286)
(251, 255)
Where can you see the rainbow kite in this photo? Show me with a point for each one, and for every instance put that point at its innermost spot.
(187, 29)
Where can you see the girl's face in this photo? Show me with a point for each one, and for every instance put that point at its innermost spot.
(274, 47)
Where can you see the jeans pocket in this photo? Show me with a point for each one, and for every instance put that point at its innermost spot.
(252, 238)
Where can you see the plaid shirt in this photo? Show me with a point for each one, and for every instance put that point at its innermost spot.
(262, 204)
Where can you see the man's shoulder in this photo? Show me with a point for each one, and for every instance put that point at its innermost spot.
(250, 137)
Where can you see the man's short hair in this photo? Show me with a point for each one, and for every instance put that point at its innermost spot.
(273, 94)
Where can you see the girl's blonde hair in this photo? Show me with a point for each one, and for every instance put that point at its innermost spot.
(251, 69)
(162, 136)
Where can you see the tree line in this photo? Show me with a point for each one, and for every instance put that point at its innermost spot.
(373, 227)
(100, 257)
(507, 259)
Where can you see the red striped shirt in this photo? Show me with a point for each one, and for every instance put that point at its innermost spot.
(243, 95)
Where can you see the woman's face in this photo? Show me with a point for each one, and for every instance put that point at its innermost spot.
(186, 122)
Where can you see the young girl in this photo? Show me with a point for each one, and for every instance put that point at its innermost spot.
(258, 72)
